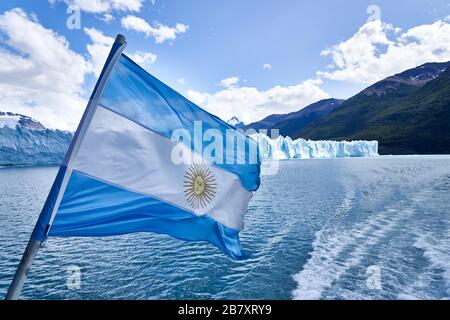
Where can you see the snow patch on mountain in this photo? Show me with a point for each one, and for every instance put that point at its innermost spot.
(9, 121)
(12, 120)
(235, 122)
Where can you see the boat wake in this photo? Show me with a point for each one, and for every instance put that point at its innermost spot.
(396, 227)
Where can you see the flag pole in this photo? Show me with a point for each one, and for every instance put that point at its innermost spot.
(59, 185)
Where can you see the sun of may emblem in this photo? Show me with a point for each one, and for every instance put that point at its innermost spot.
(199, 186)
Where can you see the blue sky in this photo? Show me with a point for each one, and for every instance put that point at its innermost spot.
(301, 43)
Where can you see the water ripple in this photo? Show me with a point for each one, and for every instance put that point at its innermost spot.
(311, 232)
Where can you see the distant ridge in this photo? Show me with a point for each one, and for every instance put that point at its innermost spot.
(408, 113)
(13, 119)
(291, 123)
(235, 122)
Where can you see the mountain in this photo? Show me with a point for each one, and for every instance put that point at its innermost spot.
(11, 120)
(290, 124)
(25, 141)
(235, 122)
(407, 113)
(266, 123)
(408, 80)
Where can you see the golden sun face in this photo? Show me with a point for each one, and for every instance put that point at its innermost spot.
(199, 186)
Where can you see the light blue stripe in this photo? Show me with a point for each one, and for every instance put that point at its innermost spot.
(40, 230)
(94, 208)
(140, 97)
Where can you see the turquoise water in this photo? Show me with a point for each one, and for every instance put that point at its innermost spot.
(312, 232)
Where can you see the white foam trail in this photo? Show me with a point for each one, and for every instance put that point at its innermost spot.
(325, 267)
(438, 254)
(345, 243)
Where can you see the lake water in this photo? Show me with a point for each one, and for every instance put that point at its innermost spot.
(359, 228)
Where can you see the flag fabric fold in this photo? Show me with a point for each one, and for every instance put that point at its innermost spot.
(123, 178)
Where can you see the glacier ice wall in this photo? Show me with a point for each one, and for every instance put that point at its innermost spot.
(23, 146)
(283, 148)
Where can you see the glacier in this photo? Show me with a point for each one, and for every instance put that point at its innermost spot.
(25, 147)
(26, 142)
(284, 148)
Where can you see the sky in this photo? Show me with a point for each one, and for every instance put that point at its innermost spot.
(240, 58)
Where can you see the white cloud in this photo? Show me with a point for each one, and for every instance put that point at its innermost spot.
(160, 32)
(131, 22)
(228, 82)
(99, 49)
(107, 17)
(144, 59)
(379, 50)
(267, 66)
(250, 104)
(181, 81)
(39, 75)
(104, 6)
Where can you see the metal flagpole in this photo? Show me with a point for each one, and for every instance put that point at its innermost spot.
(60, 183)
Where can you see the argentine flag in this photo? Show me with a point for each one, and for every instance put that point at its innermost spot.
(119, 175)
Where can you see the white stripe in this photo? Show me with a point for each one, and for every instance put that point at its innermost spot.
(124, 153)
(72, 153)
